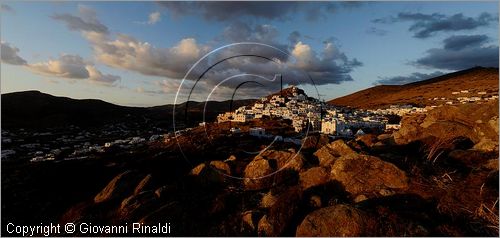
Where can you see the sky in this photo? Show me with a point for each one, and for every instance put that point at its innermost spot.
(156, 53)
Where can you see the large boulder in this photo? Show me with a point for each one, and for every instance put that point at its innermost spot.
(314, 141)
(259, 173)
(367, 175)
(120, 186)
(313, 177)
(329, 153)
(338, 220)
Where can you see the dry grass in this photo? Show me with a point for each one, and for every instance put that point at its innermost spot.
(489, 214)
(438, 147)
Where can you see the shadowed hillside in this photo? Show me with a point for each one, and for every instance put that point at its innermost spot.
(34, 109)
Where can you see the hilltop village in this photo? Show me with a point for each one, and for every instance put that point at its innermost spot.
(308, 115)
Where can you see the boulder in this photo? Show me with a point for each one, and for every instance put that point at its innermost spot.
(284, 159)
(120, 186)
(368, 174)
(314, 141)
(213, 173)
(313, 177)
(137, 205)
(329, 153)
(257, 174)
(221, 167)
(260, 174)
(325, 156)
(367, 139)
(268, 200)
(340, 148)
(338, 220)
(281, 213)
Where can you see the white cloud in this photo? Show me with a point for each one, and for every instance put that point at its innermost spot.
(154, 17)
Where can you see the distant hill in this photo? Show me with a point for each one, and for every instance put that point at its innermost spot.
(34, 109)
(477, 79)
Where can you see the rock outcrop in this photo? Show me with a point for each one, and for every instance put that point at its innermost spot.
(339, 220)
(330, 152)
(120, 187)
(477, 122)
(313, 177)
(261, 171)
(368, 174)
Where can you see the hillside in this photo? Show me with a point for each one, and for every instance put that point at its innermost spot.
(477, 79)
(34, 109)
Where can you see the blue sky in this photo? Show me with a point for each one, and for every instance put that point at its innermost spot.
(136, 53)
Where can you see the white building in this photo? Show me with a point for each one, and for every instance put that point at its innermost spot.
(328, 127)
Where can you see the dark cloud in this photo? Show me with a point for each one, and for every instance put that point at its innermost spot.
(376, 31)
(400, 80)
(87, 21)
(10, 55)
(426, 25)
(237, 32)
(462, 41)
(6, 8)
(294, 37)
(221, 11)
(227, 10)
(461, 52)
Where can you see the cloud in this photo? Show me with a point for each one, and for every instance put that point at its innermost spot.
(126, 52)
(294, 37)
(426, 25)
(6, 8)
(376, 31)
(154, 17)
(460, 53)
(116, 50)
(86, 21)
(400, 80)
(95, 76)
(462, 41)
(73, 67)
(67, 66)
(330, 66)
(221, 11)
(10, 55)
(227, 10)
